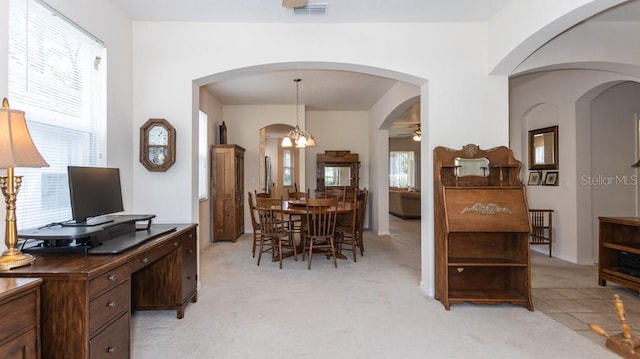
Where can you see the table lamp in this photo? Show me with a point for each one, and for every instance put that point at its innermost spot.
(16, 150)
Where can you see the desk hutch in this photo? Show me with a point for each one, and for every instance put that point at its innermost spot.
(481, 227)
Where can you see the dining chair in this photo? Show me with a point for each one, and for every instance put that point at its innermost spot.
(363, 199)
(337, 192)
(295, 220)
(254, 223)
(262, 194)
(274, 229)
(347, 229)
(320, 228)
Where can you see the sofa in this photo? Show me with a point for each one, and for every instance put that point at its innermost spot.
(404, 203)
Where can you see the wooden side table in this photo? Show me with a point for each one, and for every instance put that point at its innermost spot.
(20, 313)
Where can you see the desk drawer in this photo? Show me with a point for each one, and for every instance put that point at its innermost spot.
(109, 305)
(113, 342)
(153, 255)
(22, 313)
(108, 280)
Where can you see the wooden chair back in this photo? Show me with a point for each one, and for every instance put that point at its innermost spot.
(252, 212)
(262, 194)
(298, 195)
(321, 217)
(336, 192)
(270, 215)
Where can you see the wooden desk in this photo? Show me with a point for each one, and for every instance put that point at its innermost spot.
(20, 313)
(87, 299)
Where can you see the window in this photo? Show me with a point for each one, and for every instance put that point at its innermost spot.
(287, 168)
(202, 155)
(402, 170)
(57, 77)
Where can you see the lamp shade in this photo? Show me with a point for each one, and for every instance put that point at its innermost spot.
(16, 146)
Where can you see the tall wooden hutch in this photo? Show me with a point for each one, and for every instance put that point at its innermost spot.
(227, 191)
(481, 227)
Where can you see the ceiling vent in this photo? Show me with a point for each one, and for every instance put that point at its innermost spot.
(311, 9)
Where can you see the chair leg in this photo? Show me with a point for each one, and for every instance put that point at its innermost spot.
(292, 240)
(354, 243)
(333, 252)
(253, 245)
(260, 251)
(310, 252)
(280, 251)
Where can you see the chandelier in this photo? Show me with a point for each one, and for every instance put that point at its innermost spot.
(298, 137)
(417, 135)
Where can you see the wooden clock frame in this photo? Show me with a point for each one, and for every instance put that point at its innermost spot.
(168, 150)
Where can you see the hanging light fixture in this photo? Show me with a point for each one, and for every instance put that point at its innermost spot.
(297, 137)
(417, 135)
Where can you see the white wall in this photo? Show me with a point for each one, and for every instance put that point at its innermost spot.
(212, 107)
(614, 147)
(338, 130)
(563, 91)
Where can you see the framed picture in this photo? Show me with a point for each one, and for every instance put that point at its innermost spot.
(551, 178)
(534, 178)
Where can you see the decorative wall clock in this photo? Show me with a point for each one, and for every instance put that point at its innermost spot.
(157, 145)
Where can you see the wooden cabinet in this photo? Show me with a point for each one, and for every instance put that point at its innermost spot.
(481, 228)
(87, 300)
(20, 313)
(172, 290)
(227, 184)
(619, 251)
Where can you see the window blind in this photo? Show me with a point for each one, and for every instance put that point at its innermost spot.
(57, 77)
(401, 169)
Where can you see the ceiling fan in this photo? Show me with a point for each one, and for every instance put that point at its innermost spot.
(294, 3)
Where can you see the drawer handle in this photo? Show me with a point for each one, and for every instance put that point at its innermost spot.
(190, 251)
(175, 244)
(111, 304)
(145, 260)
(190, 235)
(113, 277)
(111, 350)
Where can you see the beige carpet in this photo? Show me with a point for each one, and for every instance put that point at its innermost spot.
(369, 309)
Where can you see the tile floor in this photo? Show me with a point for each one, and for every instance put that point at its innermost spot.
(570, 294)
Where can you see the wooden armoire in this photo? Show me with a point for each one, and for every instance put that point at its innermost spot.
(227, 191)
(481, 227)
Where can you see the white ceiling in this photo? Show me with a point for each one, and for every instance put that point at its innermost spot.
(325, 90)
(337, 10)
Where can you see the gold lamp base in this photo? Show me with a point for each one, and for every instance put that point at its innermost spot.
(8, 261)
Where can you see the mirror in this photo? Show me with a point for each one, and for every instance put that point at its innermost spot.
(157, 145)
(337, 176)
(337, 169)
(543, 148)
(471, 167)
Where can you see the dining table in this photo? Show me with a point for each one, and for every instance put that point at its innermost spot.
(299, 207)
